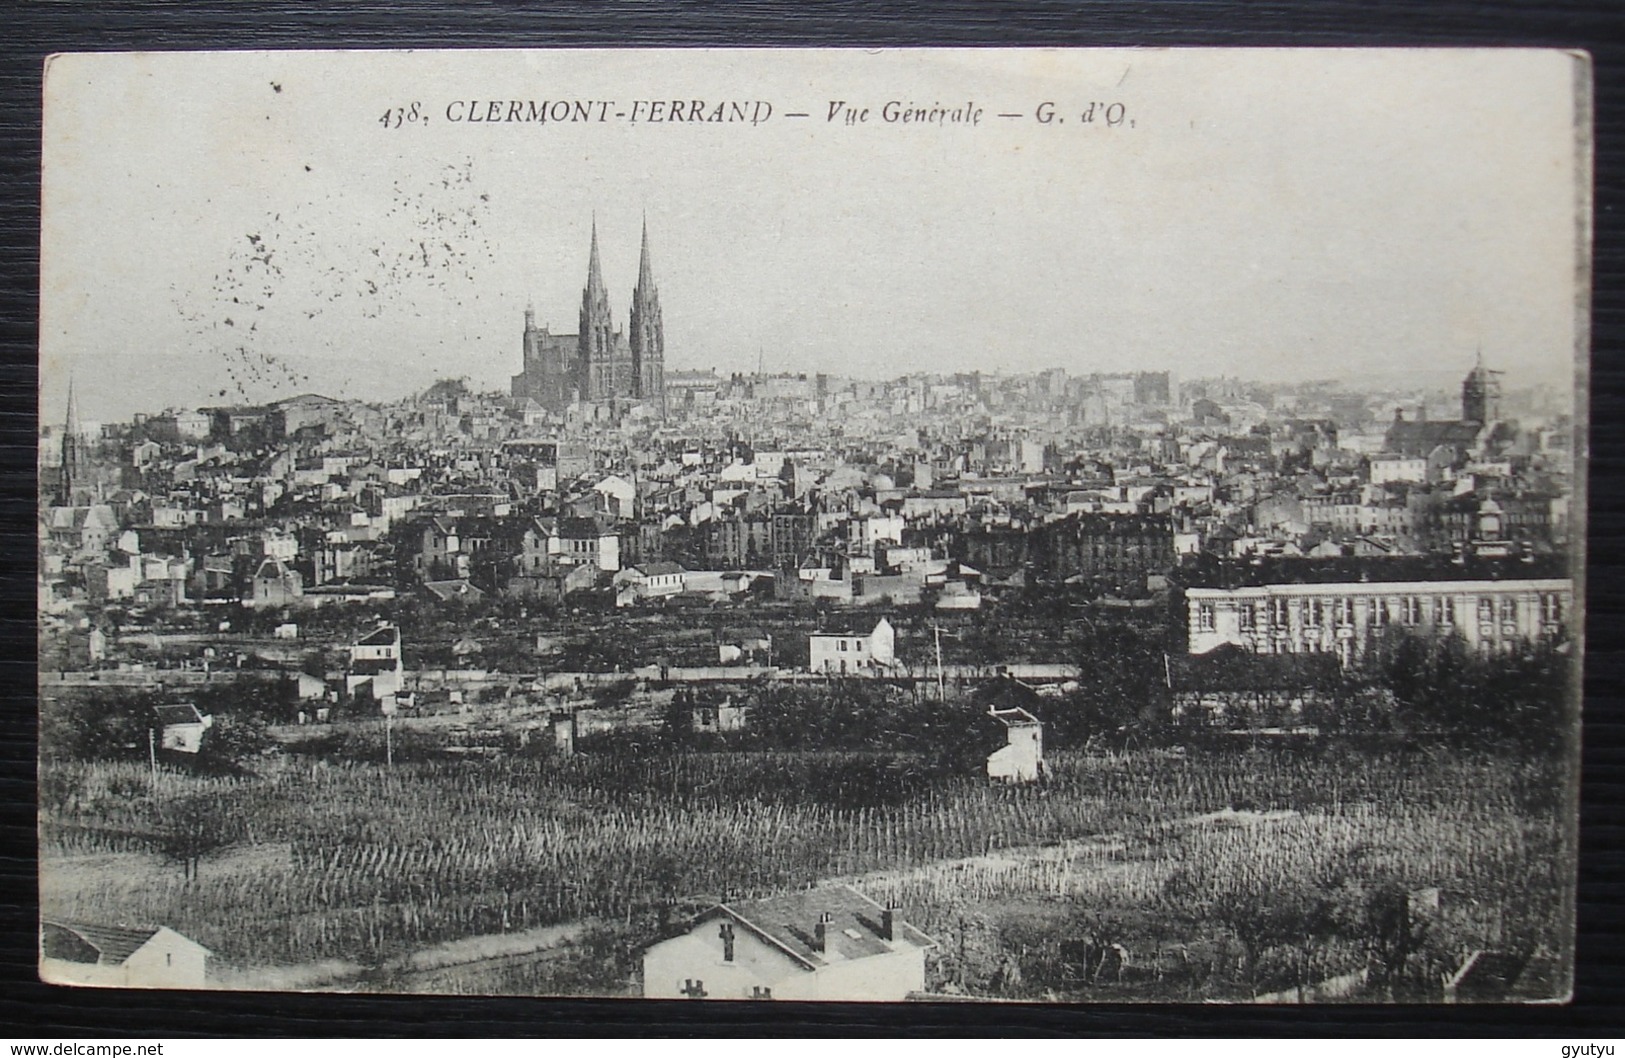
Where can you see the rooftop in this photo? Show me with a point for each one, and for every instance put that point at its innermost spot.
(788, 921)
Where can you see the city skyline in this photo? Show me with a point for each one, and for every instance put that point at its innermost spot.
(1258, 236)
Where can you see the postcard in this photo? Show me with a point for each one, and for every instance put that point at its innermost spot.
(865, 525)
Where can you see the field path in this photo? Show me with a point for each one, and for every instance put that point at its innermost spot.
(336, 974)
(1067, 849)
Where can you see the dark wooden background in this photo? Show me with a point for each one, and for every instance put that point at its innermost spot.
(30, 31)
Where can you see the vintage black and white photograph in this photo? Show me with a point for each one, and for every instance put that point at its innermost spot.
(1048, 526)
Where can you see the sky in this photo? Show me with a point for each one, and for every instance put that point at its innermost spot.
(238, 226)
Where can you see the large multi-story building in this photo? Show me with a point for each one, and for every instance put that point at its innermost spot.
(599, 363)
(1113, 551)
(1343, 614)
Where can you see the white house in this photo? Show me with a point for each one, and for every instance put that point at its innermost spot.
(1392, 466)
(1021, 758)
(850, 652)
(375, 664)
(182, 727)
(831, 943)
(192, 425)
(648, 580)
(73, 953)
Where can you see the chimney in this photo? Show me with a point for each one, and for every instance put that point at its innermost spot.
(890, 919)
(821, 932)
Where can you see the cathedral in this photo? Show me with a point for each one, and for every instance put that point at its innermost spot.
(599, 364)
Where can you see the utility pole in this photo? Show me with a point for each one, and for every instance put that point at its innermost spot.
(942, 683)
(152, 756)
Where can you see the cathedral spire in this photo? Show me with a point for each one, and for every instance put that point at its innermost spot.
(648, 338)
(595, 272)
(596, 376)
(70, 451)
(71, 426)
(646, 275)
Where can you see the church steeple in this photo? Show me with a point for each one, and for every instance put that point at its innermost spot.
(596, 368)
(595, 272)
(70, 450)
(646, 275)
(648, 333)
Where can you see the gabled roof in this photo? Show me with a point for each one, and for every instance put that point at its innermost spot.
(1015, 717)
(387, 635)
(271, 568)
(658, 569)
(787, 922)
(169, 715)
(114, 943)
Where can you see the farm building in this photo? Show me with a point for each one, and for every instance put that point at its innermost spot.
(74, 953)
(831, 943)
(1021, 758)
(181, 727)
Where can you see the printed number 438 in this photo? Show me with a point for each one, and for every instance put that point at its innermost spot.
(395, 117)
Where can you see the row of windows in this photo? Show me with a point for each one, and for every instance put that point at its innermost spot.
(1407, 610)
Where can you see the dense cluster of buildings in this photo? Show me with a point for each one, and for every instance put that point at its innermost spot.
(1292, 518)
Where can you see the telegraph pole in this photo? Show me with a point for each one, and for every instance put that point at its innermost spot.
(942, 681)
(942, 687)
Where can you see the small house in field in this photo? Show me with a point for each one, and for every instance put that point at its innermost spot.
(830, 943)
(76, 953)
(563, 726)
(181, 727)
(1021, 758)
(718, 718)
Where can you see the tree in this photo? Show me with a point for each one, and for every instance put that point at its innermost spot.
(97, 726)
(191, 827)
(234, 740)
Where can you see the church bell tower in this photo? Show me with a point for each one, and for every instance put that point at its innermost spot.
(1481, 394)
